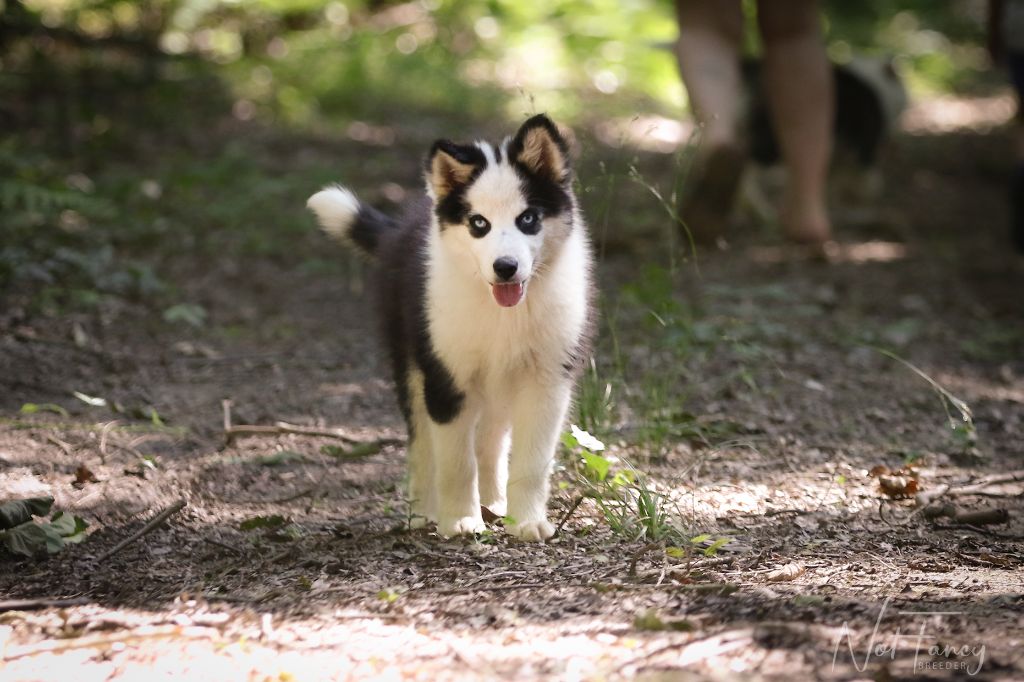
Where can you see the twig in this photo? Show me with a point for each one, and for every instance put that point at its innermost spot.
(281, 428)
(103, 438)
(65, 447)
(565, 517)
(99, 641)
(225, 545)
(32, 604)
(148, 528)
(295, 496)
(951, 490)
(483, 588)
(226, 408)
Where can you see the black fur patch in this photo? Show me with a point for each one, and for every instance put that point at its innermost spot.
(368, 226)
(444, 399)
(401, 291)
(547, 194)
(550, 197)
(452, 209)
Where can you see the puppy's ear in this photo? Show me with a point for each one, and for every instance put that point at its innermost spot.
(451, 165)
(542, 149)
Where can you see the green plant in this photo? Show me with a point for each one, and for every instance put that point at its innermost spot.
(962, 424)
(22, 534)
(627, 502)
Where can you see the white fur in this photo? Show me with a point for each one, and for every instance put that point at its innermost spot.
(508, 361)
(335, 208)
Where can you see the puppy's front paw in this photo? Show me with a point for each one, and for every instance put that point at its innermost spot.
(460, 525)
(532, 531)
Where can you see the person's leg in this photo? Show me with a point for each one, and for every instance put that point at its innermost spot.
(708, 50)
(798, 84)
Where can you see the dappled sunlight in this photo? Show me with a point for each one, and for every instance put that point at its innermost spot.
(649, 133)
(857, 253)
(941, 115)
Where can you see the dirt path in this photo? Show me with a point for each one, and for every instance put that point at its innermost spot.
(747, 388)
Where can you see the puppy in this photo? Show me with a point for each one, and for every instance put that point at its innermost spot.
(486, 292)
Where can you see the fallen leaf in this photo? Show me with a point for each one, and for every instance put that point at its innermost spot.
(898, 485)
(83, 475)
(786, 573)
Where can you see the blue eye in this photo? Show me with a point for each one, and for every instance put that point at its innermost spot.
(478, 226)
(528, 222)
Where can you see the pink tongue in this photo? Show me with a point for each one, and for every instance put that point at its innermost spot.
(507, 295)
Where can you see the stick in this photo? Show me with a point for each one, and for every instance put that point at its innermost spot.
(565, 517)
(282, 428)
(32, 604)
(951, 490)
(65, 448)
(148, 528)
(984, 517)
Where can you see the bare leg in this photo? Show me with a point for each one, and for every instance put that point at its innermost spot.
(708, 49)
(798, 83)
(458, 501)
(492, 441)
(538, 416)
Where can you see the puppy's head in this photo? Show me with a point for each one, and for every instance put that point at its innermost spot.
(503, 212)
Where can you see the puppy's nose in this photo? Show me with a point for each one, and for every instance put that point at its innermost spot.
(505, 267)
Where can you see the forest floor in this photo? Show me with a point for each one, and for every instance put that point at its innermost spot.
(746, 386)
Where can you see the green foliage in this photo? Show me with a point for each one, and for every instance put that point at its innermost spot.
(24, 536)
(354, 451)
(33, 408)
(17, 512)
(267, 522)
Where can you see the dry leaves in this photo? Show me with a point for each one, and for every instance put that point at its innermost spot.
(786, 573)
(896, 483)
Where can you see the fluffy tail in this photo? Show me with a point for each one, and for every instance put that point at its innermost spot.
(344, 217)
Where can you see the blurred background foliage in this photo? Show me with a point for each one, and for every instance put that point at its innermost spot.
(123, 121)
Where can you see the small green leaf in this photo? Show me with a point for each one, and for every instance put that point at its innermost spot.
(597, 465)
(17, 512)
(388, 595)
(649, 621)
(278, 458)
(700, 538)
(32, 408)
(354, 452)
(716, 545)
(676, 552)
(71, 527)
(273, 521)
(189, 313)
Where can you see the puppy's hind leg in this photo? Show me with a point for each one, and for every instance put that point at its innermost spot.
(538, 416)
(492, 442)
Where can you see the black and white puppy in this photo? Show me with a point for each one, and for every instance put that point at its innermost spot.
(486, 295)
